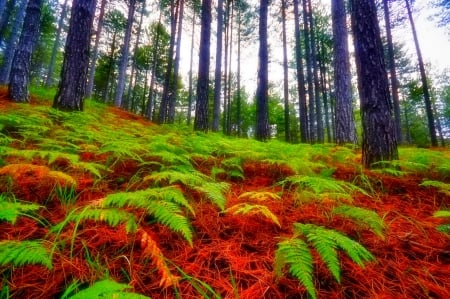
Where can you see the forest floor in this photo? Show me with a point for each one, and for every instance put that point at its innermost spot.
(231, 255)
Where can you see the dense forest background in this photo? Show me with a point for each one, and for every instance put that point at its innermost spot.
(126, 172)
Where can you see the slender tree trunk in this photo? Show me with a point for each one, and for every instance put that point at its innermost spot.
(131, 85)
(379, 142)
(6, 16)
(238, 104)
(225, 75)
(393, 73)
(315, 69)
(20, 72)
(125, 54)
(201, 109)
(110, 68)
(164, 105)
(309, 74)
(228, 86)
(12, 42)
(94, 57)
(218, 70)
(151, 101)
(76, 57)
(345, 131)
(174, 88)
(438, 125)
(262, 102)
(191, 62)
(51, 67)
(324, 84)
(426, 90)
(287, 129)
(303, 112)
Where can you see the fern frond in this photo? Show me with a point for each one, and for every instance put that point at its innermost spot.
(113, 217)
(152, 250)
(362, 217)
(93, 168)
(20, 253)
(358, 253)
(107, 289)
(158, 203)
(214, 191)
(443, 187)
(248, 209)
(296, 254)
(442, 213)
(259, 195)
(11, 210)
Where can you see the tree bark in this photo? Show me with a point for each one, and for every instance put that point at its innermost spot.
(309, 74)
(51, 66)
(201, 109)
(345, 131)
(218, 70)
(303, 112)
(94, 56)
(379, 142)
(423, 76)
(262, 102)
(72, 86)
(125, 54)
(20, 71)
(191, 62)
(11, 44)
(287, 131)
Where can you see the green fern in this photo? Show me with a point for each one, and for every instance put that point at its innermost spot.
(10, 211)
(107, 289)
(214, 191)
(322, 187)
(441, 186)
(295, 252)
(248, 209)
(362, 217)
(162, 203)
(20, 253)
(445, 228)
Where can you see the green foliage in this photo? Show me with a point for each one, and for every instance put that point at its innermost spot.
(162, 203)
(362, 217)
(20, 253)
(321, 187)
(441, 186)
(445, 228)
(251, 209)
(194, 180)
(295, 253)
(106, 289)
(10, 211)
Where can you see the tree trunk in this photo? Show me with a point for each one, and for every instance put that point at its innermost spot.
(315, 69)
(131, 85)
(72, 86)
(229, 80)
(164, 105)
(303, 112)
(201, 109)
(218, 70)
(238, 99)
(174, 86)
(94, 56)
(309, 74)
(110, 73)
(262, 102)
(191, 62)
(379, 142)
(151, 101)
(11, 44)
(423, 76)
(20, 72)
(345, 131)
(51, 66)
(125, 54)
(287, 130)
